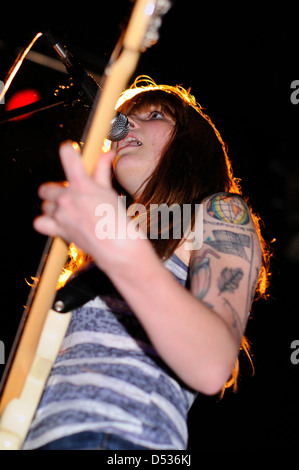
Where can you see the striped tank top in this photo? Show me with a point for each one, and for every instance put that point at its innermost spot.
(108, 378)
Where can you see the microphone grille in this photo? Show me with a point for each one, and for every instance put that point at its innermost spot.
(120, 127)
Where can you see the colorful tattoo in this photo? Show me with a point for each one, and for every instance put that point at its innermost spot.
(228, 208)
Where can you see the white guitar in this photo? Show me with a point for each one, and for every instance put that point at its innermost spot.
(42, 329)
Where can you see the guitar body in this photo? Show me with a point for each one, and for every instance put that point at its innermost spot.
(18, 414)
(39, 340)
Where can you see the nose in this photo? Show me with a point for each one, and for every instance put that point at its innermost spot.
(133, 122)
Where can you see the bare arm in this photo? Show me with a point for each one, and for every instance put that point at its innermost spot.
(199, 333)
(225, 270)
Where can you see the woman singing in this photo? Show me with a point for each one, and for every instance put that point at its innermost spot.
(134, 359)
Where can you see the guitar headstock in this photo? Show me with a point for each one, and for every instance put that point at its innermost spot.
(143, 29)
(151, 36)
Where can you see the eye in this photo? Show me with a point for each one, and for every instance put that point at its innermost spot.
(156, 115)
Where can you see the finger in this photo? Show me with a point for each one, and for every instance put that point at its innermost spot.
(72, 164)
(45, 225)
(51, 191)
(49, 208)
(103, 169)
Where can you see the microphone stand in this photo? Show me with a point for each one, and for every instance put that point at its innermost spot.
(82, 84)
(85, 82)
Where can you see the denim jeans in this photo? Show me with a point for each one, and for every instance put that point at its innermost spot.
(91, 441)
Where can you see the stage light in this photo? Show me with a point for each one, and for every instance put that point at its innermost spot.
(22, 98)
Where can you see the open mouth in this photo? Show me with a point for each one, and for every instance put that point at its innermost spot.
(129, 142)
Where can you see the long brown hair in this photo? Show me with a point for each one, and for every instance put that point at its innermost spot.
(194, 165)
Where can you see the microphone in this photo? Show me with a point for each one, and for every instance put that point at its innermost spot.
(120, 128)
(119, 125)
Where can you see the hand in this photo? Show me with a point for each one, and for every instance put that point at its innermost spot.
(69, 209)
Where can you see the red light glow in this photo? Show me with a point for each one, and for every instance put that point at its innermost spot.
(22, 98)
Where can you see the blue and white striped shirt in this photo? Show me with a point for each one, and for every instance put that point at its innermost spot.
(108, 378)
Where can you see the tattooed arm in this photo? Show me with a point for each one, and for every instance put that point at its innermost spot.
(225, 269)
(198, 333)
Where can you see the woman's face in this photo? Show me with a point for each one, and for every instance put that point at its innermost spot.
(138, 154)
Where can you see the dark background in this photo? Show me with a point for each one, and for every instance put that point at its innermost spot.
(240, 63)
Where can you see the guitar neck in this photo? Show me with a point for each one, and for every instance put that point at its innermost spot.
(23, 366)
(42, 296)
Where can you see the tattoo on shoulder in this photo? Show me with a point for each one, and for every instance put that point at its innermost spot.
(229, 279)
(200, 273)
(230, 242)
(229, 208)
